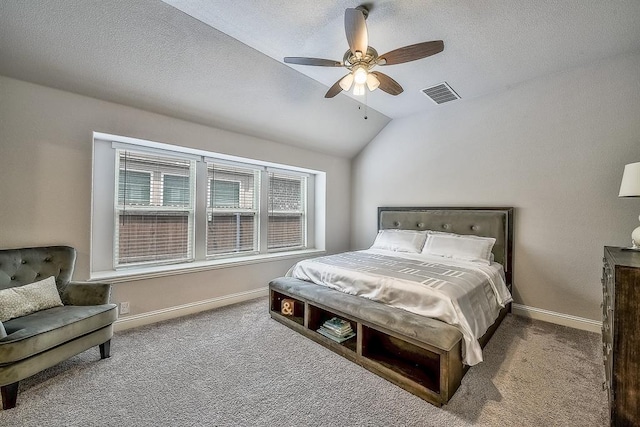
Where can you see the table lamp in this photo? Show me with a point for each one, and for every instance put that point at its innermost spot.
(630, 187)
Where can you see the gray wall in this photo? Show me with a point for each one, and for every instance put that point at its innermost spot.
(554, 148)
(45, 185)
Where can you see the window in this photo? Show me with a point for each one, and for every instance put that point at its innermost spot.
(135, 187)
(287, 208)
(175, 190)
(224, 194)
(232, 213)
(159, 207)
(154, 209)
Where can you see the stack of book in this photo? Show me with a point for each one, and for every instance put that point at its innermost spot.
(337, 329)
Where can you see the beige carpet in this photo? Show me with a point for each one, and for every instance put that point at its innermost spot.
(237, 367)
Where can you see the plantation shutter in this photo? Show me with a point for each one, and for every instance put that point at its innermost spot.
(287, 211)
(154, 209)
(232, 209)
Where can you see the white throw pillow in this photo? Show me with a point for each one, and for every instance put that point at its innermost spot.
(22, 300)
(3, 332)
(462, 247)
(400, 240)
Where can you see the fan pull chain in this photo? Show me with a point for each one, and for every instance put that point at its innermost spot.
(366, 108)
(366, 105)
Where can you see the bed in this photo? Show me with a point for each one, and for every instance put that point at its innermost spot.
(422, 342)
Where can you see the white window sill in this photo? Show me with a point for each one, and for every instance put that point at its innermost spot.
(139, 273)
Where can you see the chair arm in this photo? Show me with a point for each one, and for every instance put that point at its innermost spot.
(86, 293)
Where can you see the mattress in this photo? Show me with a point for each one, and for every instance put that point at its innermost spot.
(466, 295)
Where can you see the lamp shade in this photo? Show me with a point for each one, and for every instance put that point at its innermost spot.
(630, 185)
(346, 81)
(372, 82)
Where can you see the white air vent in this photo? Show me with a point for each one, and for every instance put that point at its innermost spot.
(440, 93)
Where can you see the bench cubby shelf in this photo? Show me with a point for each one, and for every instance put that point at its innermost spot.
(425, 370)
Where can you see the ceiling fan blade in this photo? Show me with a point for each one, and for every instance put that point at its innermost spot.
(412, 52)
(356, 29)
(335, 89)
(312, 61)
(387, 84)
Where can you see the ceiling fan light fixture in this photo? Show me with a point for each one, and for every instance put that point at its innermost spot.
(361, 58)
(346, 82)
(360, 75)
(372, 82)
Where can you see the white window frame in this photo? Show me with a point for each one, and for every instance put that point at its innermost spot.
(104, 215)
(156, 194)
(304, 212)
(255, 211)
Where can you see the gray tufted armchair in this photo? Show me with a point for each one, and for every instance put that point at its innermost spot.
(42, 339)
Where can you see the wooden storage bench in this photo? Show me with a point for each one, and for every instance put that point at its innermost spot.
(419, 354)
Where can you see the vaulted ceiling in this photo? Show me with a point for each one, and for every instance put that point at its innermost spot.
(220, 62)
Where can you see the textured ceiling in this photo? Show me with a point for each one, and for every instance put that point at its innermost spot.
(489, 45)
(150, 55)
(219, 62)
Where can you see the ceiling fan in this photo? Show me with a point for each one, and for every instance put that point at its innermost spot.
(361, 58)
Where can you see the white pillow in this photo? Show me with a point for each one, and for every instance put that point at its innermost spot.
(22, 300)
(400, 240)
(462, 247)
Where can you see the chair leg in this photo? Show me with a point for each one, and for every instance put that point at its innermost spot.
(9, 395)
(105, 349)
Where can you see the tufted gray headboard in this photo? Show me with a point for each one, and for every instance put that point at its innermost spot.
(486, 222)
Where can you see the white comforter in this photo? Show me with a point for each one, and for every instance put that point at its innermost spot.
(463, 294)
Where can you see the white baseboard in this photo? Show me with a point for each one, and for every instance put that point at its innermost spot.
(150, 317)
(557, 318)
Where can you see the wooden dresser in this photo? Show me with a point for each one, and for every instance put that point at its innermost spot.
(621, 334)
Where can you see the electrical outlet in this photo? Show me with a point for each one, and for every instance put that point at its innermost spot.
(124, 307)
